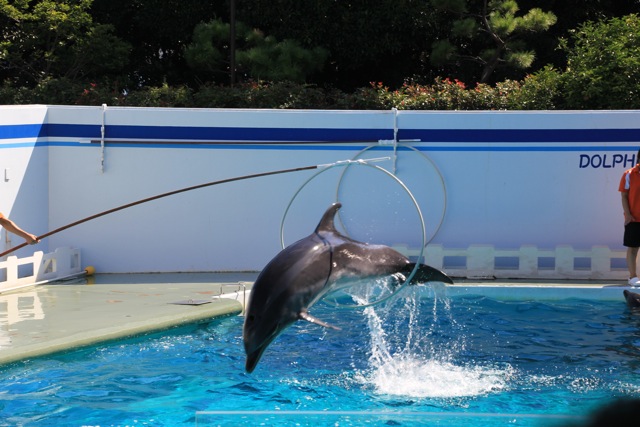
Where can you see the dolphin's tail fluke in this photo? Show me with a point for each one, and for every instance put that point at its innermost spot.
(427, 274)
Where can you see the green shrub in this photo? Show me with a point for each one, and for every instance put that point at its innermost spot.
(603, 69)
(539, 91)
(163, 96)
(443, 94)
(263, 95)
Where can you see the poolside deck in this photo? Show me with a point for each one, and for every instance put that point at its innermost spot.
(59, 316)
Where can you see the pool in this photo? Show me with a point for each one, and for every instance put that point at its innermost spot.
(419, 359)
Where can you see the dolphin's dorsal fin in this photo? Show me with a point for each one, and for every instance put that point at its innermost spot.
(326, 223)
(309, 318)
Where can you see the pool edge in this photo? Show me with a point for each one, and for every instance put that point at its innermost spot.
(217, 308)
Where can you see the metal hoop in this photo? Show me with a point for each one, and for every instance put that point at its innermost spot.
(387, 173)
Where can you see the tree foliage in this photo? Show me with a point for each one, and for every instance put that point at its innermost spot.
(380, 40)
(56, 39)
(491, 35)
(158, 31)
(258, 57)
(176, 52)
(603, 67)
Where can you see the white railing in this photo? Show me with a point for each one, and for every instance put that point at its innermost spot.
(526, 262)
(17, 272)
(476, 261)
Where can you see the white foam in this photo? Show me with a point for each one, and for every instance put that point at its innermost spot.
(415, 377)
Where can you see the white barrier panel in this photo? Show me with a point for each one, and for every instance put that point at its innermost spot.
(499, 179)
(526, 262)
(20, 272)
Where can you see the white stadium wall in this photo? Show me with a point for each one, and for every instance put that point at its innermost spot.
(486, 182)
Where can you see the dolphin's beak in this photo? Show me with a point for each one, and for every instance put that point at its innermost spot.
(427, 273)
(254, 348)
(252, 359)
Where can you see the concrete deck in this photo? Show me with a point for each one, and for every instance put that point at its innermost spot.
(54, 317)
(58, 316)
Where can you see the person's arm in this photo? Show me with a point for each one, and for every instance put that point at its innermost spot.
(13, 227)
(625, 207)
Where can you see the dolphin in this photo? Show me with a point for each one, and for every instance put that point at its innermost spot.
(633, 299)
(309, 269)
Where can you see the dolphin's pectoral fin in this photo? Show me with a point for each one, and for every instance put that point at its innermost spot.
(304, 315)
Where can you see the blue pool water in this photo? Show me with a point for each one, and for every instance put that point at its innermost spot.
(417, 360)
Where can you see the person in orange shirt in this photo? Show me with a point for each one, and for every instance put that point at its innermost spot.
(13, 227)
(630, 190)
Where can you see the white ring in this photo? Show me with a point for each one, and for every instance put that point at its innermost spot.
(395, 178)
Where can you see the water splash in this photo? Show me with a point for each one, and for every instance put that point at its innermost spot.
(420, 378)
(414, 356)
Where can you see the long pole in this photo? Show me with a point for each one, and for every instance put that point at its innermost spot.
(159, 196)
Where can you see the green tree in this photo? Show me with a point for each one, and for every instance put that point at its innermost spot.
(603, 66)
(258, 57)
(158, 31)
(367, 40)
(51, 39)
(491, 36)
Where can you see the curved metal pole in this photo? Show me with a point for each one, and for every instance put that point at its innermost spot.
(159, 196)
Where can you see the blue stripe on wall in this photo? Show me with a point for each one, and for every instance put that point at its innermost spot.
(219, 133)
(302, 135)
(21, 131)
(72, 131)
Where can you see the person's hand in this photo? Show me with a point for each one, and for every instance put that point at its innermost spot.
(32, 239)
